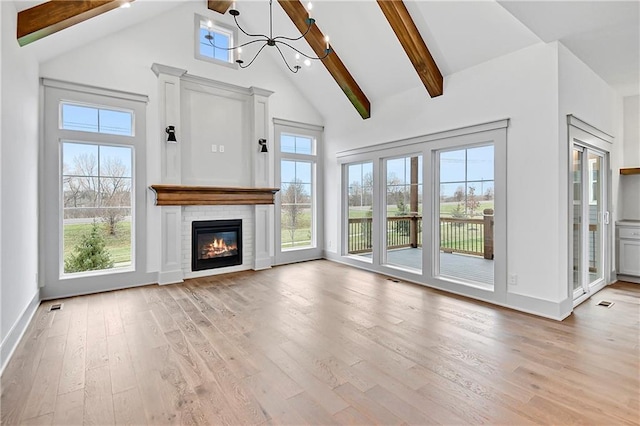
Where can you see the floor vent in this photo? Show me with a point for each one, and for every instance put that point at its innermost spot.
(55, 307)
(393, 279)
(605, 303)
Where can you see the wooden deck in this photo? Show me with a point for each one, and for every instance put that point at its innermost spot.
(454, 265)
(321, 343)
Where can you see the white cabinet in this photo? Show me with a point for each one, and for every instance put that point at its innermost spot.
(628, 247)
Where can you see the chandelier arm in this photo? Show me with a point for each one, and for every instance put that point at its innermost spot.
(293, 70)
(255, 57)
(294, 38)
(327, 52)
(240, 45)
(235, 18)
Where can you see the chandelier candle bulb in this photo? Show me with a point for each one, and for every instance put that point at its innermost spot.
(326, 39)
(309, 7)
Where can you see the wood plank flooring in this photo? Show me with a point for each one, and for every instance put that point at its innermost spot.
(321, 343)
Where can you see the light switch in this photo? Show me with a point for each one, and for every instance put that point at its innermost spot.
(214, 148)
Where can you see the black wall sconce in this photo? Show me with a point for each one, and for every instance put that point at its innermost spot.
(263, 145)
(171, 131)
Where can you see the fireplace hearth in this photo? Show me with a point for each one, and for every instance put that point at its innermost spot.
(216, 244)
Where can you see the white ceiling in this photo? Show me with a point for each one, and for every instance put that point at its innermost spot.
(459, 34)
(603, 34)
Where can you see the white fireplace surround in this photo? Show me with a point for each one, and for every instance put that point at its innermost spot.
(191, 162)
(192, 214)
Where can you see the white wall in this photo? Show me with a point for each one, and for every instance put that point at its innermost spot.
(630, 185)
(521, 86)
(123, 61)
(19, 183)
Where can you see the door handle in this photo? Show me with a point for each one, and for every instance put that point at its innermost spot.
(606, 218)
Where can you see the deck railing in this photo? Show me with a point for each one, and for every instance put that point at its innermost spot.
(457, 235)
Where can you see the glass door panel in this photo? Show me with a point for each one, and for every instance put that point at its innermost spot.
(403, 213)
(596, 258)
(577, 220)
(360, 210)
(466, 206)
(588, 227)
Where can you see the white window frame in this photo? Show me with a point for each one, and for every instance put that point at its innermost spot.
(200, 21)
(55, 282)
(314, 132)
(429, 145)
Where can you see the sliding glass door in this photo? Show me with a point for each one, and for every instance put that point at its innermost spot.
(590, 217)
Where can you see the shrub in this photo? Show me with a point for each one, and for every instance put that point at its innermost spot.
(90, 254)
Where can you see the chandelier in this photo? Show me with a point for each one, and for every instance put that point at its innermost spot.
(278, 42)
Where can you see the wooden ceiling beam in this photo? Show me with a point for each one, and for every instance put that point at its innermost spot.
(298, 14)
(220, 6)
(405, 28)
(47, 18)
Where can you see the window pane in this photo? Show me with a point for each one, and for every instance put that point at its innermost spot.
(76, 117)
(466, 216)
(303, 172)
(97, 193)
(115, 161)
(79, 159)
(217, 48)
(97, 120)
(304, 146)
(360, 193)
(452, 166)
(287, 171)
(116, 122)
(480, 163)
(287, 143)
(296, 210)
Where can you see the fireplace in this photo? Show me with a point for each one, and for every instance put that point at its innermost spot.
(216, 244)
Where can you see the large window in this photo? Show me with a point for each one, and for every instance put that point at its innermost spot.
(93, 190)
(299, 199)
(97, 193)
(430, 209)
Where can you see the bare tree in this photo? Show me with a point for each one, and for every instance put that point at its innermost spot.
(293, 203)
(115, 192)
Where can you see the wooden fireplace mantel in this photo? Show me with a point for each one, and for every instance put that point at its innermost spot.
(187, 195)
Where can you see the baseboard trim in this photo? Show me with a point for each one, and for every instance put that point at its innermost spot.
(10, 342)
(170, 277)
(629, 279)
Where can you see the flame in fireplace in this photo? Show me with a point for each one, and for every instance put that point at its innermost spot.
(217, 248)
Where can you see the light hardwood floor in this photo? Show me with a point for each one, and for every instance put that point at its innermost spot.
(321, 343)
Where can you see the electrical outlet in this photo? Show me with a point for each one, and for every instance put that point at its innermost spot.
(513, 279)
(221, 148)
(214, 148)
(330, 244)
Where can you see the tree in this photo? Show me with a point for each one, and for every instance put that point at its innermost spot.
(472, 203)
(459, 194)
(90, 254)
(115, 193)
(488, 194)
(293, 203)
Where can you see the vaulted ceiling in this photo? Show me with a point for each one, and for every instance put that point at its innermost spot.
(459, 35)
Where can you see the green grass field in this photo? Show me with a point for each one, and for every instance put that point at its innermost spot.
(119, 246)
